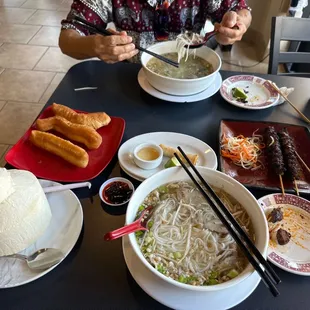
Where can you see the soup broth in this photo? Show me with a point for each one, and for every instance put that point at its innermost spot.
(194, 67)
(186, 241)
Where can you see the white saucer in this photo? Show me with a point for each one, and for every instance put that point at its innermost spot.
(189, 144)
(180, 299)
(62, 233)
(209, 92)
(131, 175)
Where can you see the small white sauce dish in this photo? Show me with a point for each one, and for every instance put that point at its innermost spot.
(148, 156)
(106, 185)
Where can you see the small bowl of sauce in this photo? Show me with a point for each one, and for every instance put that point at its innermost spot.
(148, 156)
(116, 191)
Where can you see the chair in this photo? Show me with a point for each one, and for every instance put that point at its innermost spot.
(288, 29)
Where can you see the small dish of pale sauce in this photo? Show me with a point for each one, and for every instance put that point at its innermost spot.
(148, 156)
(148, 153)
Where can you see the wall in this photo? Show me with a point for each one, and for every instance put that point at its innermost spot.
(262, 11)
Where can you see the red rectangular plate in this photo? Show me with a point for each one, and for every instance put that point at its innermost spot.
(265, 178)
(24, 155)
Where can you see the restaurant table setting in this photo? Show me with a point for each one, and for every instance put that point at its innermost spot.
(139, 189)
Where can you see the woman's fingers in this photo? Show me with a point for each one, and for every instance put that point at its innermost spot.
(227, 36)
(115, 48)
(120, 49)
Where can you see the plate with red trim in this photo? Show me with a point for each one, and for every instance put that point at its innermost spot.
(294, 256)
(24, 155)
(260, 95)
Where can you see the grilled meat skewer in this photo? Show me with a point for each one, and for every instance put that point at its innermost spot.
(290, 157)
(275, 155)
(274, 151)
(289, 153)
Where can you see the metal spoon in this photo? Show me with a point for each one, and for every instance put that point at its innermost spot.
(205, 35)
(41, 259)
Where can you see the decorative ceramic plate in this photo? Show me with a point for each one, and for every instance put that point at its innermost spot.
(265, 178)
(207, 156)
(293, 257)
(24, 155)
(209, 92)
(181, 299)
(62, 233)
(260, 95)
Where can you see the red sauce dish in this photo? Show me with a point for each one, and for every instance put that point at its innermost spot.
(116, 191)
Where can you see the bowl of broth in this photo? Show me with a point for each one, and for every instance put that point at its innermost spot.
(147, 156)
(194, 75)
(186, 244)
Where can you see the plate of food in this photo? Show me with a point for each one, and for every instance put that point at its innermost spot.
(266, 155)
(249, 92)
(31, 220)
(144, 155)
(66, 145)
(288, 219)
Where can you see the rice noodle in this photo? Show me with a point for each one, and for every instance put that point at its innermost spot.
(179, 242)
(186, 39)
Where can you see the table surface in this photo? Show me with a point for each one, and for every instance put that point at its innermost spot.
(94, 275)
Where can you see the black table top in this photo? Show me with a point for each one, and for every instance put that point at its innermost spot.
(94, 275)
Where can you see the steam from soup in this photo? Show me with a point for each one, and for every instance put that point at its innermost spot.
(192, 68)
(186, 241)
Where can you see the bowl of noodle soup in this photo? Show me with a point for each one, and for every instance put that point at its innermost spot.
(196, 73)
(186, 244)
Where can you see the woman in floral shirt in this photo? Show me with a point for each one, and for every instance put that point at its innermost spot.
(144, 22)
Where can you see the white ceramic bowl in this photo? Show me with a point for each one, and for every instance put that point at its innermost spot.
(109, 181)
(147, 164)
(215, 178)
(180, 87)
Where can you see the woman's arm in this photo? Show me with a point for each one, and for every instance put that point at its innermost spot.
(76, 42)
(76, 46)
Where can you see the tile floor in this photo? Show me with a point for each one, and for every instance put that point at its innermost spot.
(32, 65)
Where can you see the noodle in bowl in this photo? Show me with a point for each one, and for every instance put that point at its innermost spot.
(176, 86)
(233, 189)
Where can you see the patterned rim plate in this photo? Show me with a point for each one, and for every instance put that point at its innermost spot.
(293, 257)
(260, 94)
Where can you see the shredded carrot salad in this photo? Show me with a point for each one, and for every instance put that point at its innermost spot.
(243, 151)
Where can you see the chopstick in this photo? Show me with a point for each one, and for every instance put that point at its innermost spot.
(276, 88)
(246, 245)
(302, 161)
(95, 29)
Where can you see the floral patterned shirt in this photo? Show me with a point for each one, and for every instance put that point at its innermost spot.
(137, 17)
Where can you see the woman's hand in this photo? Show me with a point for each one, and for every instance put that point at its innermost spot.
(231, 29)
(114, 48)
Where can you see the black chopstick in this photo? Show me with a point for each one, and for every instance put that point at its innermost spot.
(234, 222)
(269, 277)
(95, 29)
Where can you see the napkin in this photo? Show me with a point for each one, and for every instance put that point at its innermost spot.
(286, 91)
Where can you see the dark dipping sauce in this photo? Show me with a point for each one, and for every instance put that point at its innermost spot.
(117, 192)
